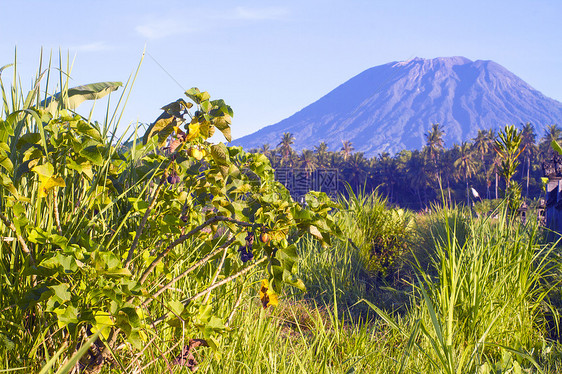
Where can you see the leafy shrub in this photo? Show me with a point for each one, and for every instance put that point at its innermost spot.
(102, 234)
(379, 232)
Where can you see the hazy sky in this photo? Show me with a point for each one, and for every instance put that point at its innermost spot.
(269, 59)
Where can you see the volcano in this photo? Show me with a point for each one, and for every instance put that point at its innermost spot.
(391, 107)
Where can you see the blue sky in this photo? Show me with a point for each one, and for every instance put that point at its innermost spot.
(269, 59)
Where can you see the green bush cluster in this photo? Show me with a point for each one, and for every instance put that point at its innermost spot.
(379, 232)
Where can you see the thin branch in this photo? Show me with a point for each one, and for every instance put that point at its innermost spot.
(212, 287)
(24, 246)
(184, 237)
(56, 210)
(238, 300)
(219, 268)
(190, 269)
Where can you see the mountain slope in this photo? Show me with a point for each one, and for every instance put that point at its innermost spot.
(390, 107)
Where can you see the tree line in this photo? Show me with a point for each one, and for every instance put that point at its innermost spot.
(416, 178)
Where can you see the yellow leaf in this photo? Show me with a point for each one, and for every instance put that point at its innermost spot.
(268, 297)
(193, 131)
(50, 183)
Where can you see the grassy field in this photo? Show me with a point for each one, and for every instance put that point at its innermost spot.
(390, 291)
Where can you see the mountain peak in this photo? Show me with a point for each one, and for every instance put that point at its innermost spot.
(391, 107)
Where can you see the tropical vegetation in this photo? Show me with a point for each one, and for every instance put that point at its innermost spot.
(167, 253)
(415, 179)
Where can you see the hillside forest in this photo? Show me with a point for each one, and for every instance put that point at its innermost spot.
(414, 179)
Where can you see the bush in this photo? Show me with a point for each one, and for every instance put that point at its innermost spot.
(103, 234)
(379, 232)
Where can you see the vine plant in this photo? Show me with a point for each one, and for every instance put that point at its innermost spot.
(104, 232)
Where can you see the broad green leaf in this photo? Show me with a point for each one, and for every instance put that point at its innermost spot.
(162, 127)
(86, 128)
(117, 272)
(103, 319)
(61, 291)
(197, 96)
(554, 144)
(220, 154)
(293, 280)
(227, 134)
(27, 139)
(176, 307)
(44, 171)
(6, 163)
(206, 106)
(77, 95)
(177, 107)
(93, 155)
(6, 130)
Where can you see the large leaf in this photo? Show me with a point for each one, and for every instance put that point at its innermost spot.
(220, 154)
(77, 95)
(162, 127)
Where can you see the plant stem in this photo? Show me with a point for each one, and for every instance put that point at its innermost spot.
(212, 287)
(184, 237)
(190, 269)
(143, 222)
(24, 246)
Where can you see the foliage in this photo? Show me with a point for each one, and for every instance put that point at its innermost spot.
(481, 298)
(378, 232)
(415, 179)
(103, 233)
(508, 147)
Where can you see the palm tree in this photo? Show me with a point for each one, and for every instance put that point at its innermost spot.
(434, 146)
(265, 150)
(528, 137)
(482, 146)
(434, 142)
(387, 170)
(416, 170)
(285, 147)
(465, 165)
(553, 132)
(322, 155)
(347, 149)
(508, 147)
(307, 160)
(355, 170)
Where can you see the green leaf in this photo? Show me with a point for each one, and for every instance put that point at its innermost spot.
(220, 154)
(44, 171)
(162, 127)
(93, 155)
(86, 128)
(554, 144)
(227, 134)
(176, 307)
(6, 163)
(293, 280)
(28, 139)
(197, 96)
(77, 95)
(61, 291)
